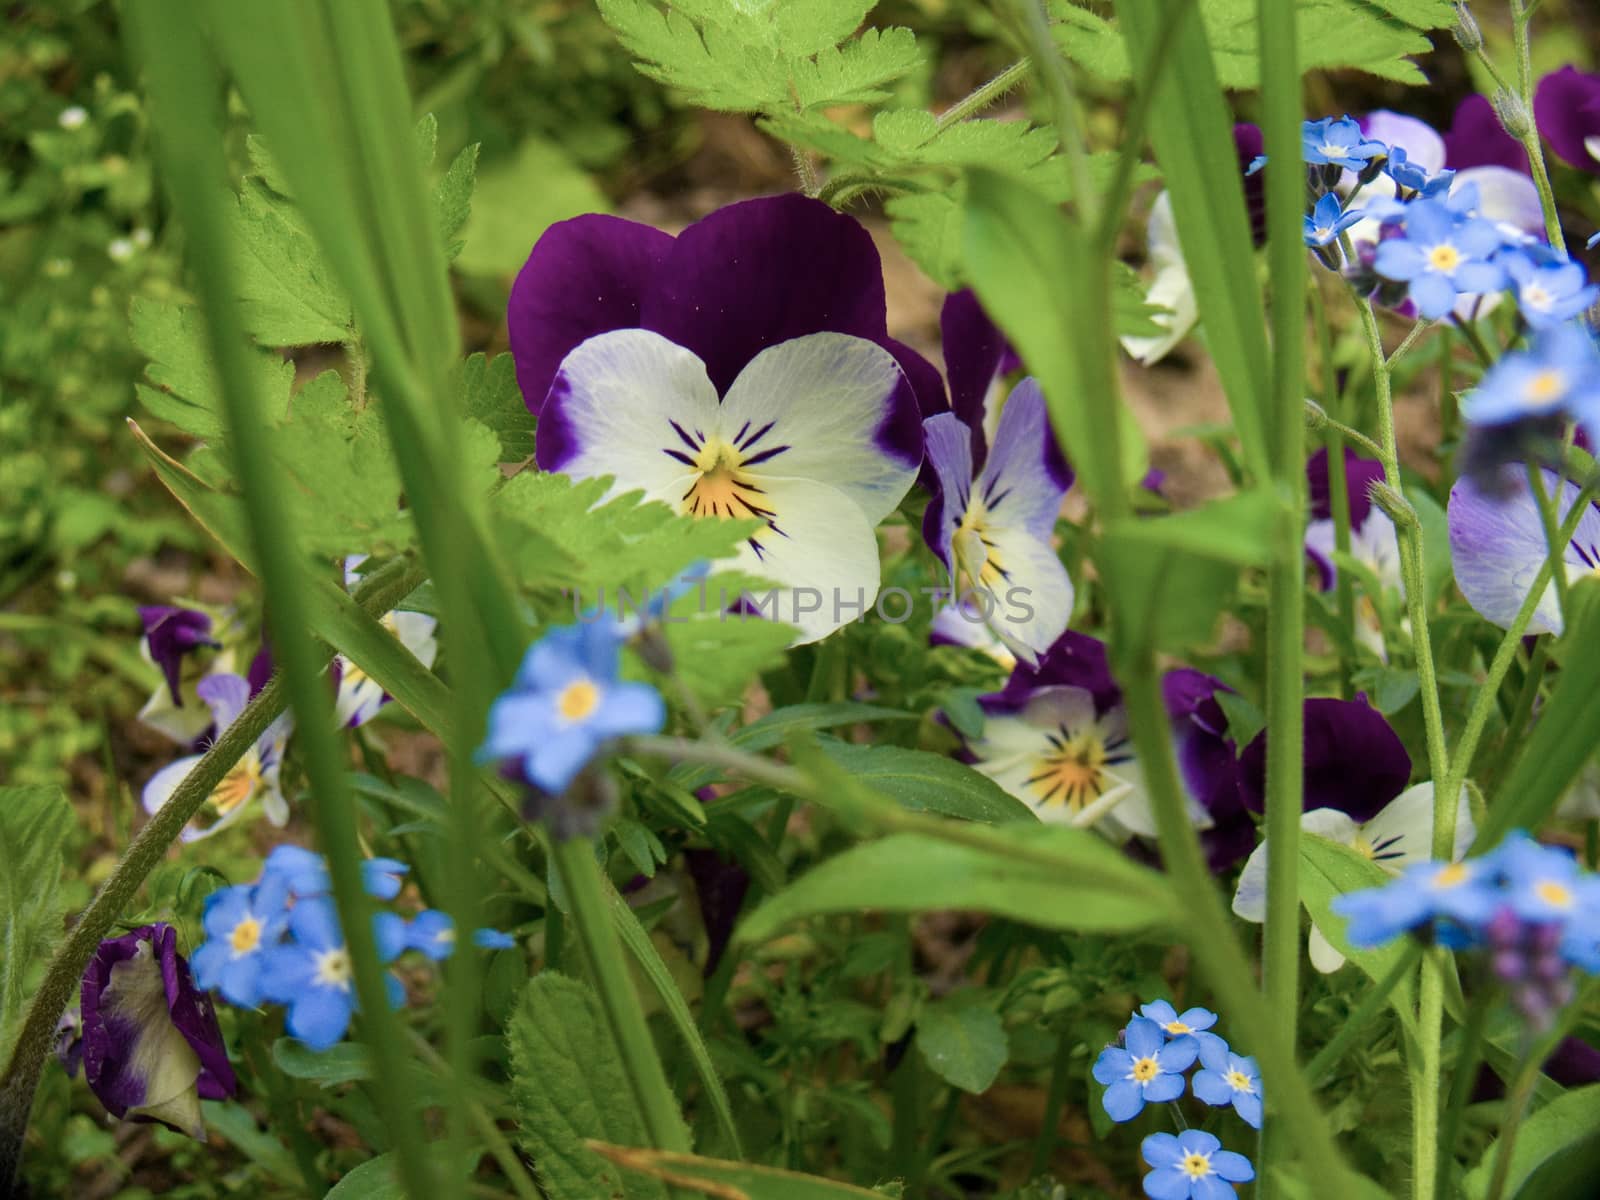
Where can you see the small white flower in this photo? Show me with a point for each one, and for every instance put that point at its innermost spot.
(120, 249)
(141, 237)
(73, 117)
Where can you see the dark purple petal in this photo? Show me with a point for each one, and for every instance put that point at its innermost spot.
(720, 886)
(1359, 476)
(1477, 139)
(171, 633)
(1567, 108)
(923, 377)
(763, 271)
(1209, 762)
(113, 1068)
(1354, 761)
(261, 668)
(585, 276)
(1074, 660)
(974, 350)
(1249, 144)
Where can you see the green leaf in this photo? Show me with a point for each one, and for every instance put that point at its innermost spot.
(963, 1042)
(1567, 1122)
(516, 200)
(238, 1126)
(488, 393)
(184, 388)
(34, 823)
(452, 198)
(567, 1085)
(1088, 886)
(347, 1062)
(926, 782)
(1329, 869)
(856, 72)
(1245, 720)
(729, 1180)
(289, 294)
(777, 727)
(1565, 736)
(928, 226)
(376, 1179)
(1375, 36)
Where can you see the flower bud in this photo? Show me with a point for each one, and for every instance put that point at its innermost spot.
(1513, 113)
(1466, 32)
(1316, 415)
(1394, 504)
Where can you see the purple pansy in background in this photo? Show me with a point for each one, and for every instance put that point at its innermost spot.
(992, 520)
(1477, 139)
(1248, 145)
(1209, 763)
(1354, 761)
(1373, 540)
(359, 696)
(173, 636)
(151, 1047)
(1497, 546)
(1414, 147)
(976, 357)
(170, 633)
(740, 370)
(1395, 838)
(1567, 109)
(253, 777)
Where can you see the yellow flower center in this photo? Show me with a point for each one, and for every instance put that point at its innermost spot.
(578, 700)
(723, 489)
(1452, 876)
(977, 561)
(1444, 257)
(1073, 773)
(1556, 895)
(1177, 1028)
(1196, 1166)
(246, 936)
(1239, 1081)
(1144, 1070)
(1544, 389)
(333, 969)
(1323, 233)
(238, 785)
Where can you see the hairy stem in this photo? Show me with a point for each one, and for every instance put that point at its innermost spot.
(1521, 14)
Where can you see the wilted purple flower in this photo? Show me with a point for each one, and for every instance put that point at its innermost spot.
(1477, 139)
(151, 1046)
(1567, 108)
(739, 370)
(170, 633)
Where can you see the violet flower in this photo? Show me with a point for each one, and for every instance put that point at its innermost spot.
(1209, 763)
(1354, 761)
(1566, 106)
(1497, 547)
(170, 633)
(1477, 139)
(253, 777)
(151, 1046)
(742, 369)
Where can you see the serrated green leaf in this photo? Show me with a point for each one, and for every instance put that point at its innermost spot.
(568, 1085)
(856, 72)
(288, 292)
(926, 782)
(488, 393)
(185, 388)
(452, 198)
(817, 25)
(928, 227)
(964, 1043)
(1360, 34)
(342, 471)
(34, 823)
(1092, 888)
(719, 72)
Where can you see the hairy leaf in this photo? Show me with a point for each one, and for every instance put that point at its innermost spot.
(489, 394)
(289, 293)
(183, 385)
(34, 823)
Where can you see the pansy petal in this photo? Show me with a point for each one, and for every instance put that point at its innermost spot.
(225, 695)
(1033, 603)
(1505, 197)
(584, 277)
(1025, 476)
(1325, 957)
(1421, 142)
(829, 408)
(947, 444)
(755, 274)
(1477, 139)
(165, 781)
(1497, 546)
(974, 349)
(628, 404)
(1565, 107)
(1354, 760)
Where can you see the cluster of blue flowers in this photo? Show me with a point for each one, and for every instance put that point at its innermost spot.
(1532, 908)
(1158, 1046)
(278, 940)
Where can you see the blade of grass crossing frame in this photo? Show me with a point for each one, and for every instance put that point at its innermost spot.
(1192, 136)
(184, 91)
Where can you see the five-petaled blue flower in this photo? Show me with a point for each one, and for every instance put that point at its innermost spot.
(241, 924)
(1442, 255)
(1227, 1078)
(1339, 142)
(1191, 1022)
(1559, 374)
(1327, 221)
(565, 702)
(1543, 884)
(1414, 177)
(1192, 1165)
(1149, 1068)
(312, 973)
(1549, 290)
(1460, 892)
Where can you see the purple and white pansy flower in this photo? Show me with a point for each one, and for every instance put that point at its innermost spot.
(1497, 547)
(991, 521)
(740, 370)
(359, 696)
(174, 637)
(1567, 107)
(151, 1047)
(1397, 836)
(254, 777)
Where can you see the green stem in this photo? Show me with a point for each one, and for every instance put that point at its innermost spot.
(1522, 710)
(36, 1038)
(1469, 330)
(1347, 433)
(980, 98)
(1520, 16)
(1468, 1056)
(590, 912)
(1355, 1025)
(1338, 485)
(1555, 544)
(1060, 1077)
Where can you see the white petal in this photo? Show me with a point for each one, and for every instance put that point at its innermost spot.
(165, 781)
(1407, 823)
(612, 409)
(1421, 142)
(1505, 196)
(1171, 288)
(1031, 606)
(135, 997)
(183, 724)
(822, 555)
(1323, 956)
(832, 401)
(1250, 898)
